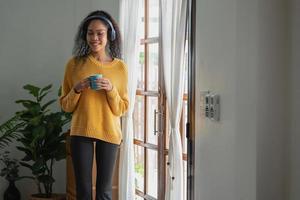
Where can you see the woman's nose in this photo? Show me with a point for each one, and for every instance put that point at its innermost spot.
(95, 37)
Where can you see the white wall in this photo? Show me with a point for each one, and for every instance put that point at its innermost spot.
(225, 151)
(242, 55)
(294, 148)
(36, 40)
(272, 95)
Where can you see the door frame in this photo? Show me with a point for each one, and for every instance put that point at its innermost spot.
(190, 126)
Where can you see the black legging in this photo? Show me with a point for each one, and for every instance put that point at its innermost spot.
(82, 150)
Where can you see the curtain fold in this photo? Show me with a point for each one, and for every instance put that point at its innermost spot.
(129, 16)
(173, 28)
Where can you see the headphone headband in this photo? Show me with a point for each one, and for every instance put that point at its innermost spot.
(113, 32)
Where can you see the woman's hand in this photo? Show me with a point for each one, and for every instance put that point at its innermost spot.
(104, 84)
(82, 85)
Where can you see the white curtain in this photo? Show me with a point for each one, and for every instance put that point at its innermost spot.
(129, 16)
(173, 27)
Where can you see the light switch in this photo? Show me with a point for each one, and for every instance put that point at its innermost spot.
(214, 107)
(211, 108)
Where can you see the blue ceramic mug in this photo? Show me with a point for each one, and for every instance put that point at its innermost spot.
(93, 79)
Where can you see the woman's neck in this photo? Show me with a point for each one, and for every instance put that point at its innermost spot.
(102, 57)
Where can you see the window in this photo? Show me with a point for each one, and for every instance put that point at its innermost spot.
(150, 144)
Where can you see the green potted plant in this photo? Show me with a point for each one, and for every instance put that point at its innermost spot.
(10, 171)
(9, 166)
(41, 139)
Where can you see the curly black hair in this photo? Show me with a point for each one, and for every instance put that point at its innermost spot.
(81, 48)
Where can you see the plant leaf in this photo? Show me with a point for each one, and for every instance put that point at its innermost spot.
(32, 89)
(46, 88)
(44, 91)
(25, 101)
(38, 133)
(9, 131)
(39, 166)
(24, 164)
(48, 103)
(36, 120)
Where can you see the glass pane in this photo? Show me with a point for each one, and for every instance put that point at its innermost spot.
(184, 121)
(185, 64)
(139, 167)
(152, 173)
(138, 197)
(153, 18)
(141, 23)
(184, 179)
(184, 140)
(153, 67)
(141, 68)
(138, 118)
(152, 105)
(167, 166)
(168, 128)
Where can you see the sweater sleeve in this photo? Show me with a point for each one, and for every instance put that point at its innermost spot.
(68, 99)
(118, 98)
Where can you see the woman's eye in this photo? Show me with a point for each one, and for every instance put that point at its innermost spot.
(100, 34)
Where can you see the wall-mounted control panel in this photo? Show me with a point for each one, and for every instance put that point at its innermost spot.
(212, 106)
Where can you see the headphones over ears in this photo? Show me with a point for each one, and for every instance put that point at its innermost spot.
(112, 30)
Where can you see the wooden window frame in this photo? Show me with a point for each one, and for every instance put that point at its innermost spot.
(162, 138)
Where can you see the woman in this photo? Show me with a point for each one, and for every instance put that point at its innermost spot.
(97, 109)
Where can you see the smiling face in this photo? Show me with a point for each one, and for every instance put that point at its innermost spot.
(96, 36)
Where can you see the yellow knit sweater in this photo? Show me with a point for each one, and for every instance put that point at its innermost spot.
(96, 114)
